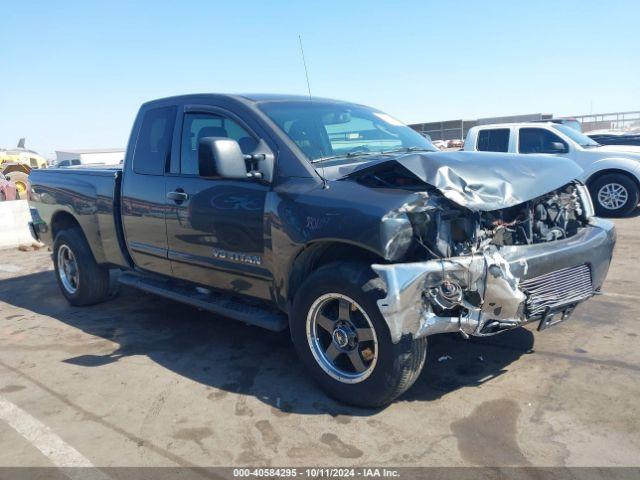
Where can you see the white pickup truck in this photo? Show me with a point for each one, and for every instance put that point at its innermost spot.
(612, 172)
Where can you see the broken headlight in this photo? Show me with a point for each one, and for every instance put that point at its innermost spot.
(397, 235)
(585, 198)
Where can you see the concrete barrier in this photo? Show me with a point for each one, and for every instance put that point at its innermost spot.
(14, 224)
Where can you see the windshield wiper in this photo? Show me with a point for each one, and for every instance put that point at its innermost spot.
(365, 153)
(344, 155)
(408, 150)
(330, 157)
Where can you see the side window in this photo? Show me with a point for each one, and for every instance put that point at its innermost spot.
(539, 140)
(153, 147)
(496, 140)
(200, 125)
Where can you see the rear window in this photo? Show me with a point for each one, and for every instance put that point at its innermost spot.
(493, 140)
(153, 147)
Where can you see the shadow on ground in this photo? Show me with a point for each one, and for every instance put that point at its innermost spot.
(231, 357)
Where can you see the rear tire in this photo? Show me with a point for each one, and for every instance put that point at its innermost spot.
(614, 195)
(81, 280)
(386, 369)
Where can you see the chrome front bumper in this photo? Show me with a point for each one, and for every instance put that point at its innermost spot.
(491, 298)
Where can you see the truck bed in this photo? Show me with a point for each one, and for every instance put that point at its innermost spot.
(88, 194)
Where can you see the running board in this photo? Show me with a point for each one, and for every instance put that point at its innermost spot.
(210, 301)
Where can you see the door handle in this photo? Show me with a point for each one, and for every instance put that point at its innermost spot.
(178, 196)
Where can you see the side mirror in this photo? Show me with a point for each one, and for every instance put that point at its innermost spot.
(558, 147)
(220, 156)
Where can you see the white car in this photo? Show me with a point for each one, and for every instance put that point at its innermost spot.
(68, 163)
(612, 172)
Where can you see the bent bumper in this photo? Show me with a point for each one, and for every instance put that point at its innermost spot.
(499, 289)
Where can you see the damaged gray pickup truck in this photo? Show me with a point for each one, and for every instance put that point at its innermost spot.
(331, 219)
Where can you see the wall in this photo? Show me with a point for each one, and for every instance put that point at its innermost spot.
(108, 158)
(14, 224)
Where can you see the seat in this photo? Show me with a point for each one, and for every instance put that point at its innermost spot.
(211, 132)
(306, 136)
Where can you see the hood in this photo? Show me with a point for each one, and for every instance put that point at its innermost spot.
(620, 148)
(489, 181)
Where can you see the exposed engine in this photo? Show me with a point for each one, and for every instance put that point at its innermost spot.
(553, 216)
(444, 229)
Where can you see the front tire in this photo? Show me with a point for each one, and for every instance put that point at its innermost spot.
(614, 195)
(344, 342)
(81, 280)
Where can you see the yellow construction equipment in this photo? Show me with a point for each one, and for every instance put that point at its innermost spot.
(17, 163)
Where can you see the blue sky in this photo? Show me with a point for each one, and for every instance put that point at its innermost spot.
(73, 73)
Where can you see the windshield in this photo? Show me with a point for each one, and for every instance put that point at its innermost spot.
(571, 123)
(577, 137)
(325, 130)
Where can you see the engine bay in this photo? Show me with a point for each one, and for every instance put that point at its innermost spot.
(442, 229)
(553, 216)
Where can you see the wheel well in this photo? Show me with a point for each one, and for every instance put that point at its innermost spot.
(62, 221)
(616, 171)
(321, 253)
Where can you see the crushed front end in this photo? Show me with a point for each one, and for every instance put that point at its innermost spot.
(483, 272)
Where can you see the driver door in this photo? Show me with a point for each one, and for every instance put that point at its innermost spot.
(215, 225)
(541, 141)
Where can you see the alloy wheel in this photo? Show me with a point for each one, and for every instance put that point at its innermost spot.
(613, 196)
(342, 338)
(68, 269)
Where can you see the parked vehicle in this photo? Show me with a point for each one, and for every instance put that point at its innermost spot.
(569, 122)
(612, 173)
(616, 137)
(22, 155)
(16, 163)
(8, 190)
(18, 175)
(74, 162)
(333, 220)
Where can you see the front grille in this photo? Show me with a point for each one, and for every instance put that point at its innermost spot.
(555, 289)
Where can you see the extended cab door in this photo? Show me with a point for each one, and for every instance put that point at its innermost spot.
(494, 140)
(143, 196)
(215, 226)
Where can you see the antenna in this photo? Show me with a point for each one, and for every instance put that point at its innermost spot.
(325, 184)
(304, 62)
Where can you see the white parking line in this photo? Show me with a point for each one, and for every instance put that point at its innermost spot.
(60, 453)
